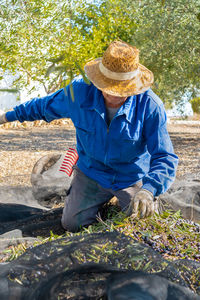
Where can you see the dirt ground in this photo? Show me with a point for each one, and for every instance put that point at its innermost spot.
(22, 145)
(186, 141)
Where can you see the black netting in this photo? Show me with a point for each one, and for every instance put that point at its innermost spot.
(97, 266)
(31, 221)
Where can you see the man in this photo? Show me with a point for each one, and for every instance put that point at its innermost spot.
(122, 140)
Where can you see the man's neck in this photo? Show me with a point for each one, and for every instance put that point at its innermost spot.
(112, 105)
(113, 101)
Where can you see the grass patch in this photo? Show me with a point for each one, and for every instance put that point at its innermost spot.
(169, 234)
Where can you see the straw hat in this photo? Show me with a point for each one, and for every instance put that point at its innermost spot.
(119, 72)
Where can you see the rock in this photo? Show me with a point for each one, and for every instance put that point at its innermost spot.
(13, 238)
(20, 195)
(49, 185)
(184, 195)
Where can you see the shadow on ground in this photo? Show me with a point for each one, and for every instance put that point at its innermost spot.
(37, 139)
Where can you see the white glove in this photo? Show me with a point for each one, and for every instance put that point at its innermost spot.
(142, 204)
(3, 118)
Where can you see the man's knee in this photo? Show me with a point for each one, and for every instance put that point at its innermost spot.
(74, 223)
(70, 223)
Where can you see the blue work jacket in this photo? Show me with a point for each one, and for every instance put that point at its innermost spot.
(135, 146)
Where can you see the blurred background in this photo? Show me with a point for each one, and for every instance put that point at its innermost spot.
(44, 44)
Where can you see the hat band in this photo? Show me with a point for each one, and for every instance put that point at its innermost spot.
(117, 76)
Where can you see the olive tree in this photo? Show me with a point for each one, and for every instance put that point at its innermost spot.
(168, 35)
(49, 41)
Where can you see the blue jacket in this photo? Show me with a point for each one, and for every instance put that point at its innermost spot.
(135, 146)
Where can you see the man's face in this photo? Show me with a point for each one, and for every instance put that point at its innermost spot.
(113, 101)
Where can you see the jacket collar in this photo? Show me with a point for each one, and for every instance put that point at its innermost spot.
(95, 101)
(128, 108)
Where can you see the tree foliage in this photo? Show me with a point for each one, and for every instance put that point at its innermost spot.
(35, 38)
(47, 40)
(50, 40)
(195, 102)
(169, 38)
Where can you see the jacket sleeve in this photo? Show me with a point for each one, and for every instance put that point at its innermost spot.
(48, 108)
(163, 163)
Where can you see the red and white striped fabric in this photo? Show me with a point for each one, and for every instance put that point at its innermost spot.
(69, 161)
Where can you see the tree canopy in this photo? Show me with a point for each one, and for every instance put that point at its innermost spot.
(50, 41)
(169, 38)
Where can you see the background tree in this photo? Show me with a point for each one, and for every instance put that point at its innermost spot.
(35, 37)
(168, 35)
(195, 102)
(49, 40)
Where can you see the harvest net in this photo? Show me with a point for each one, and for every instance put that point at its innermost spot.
(106, 265)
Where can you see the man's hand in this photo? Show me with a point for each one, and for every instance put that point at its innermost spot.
(3, 118)
(142, 205)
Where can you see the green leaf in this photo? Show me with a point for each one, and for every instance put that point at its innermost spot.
(13, 91)
(50, 70)
(71, 91)
(57, 59)
(87, 81)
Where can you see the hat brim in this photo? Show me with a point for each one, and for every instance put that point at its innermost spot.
(137, 85)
